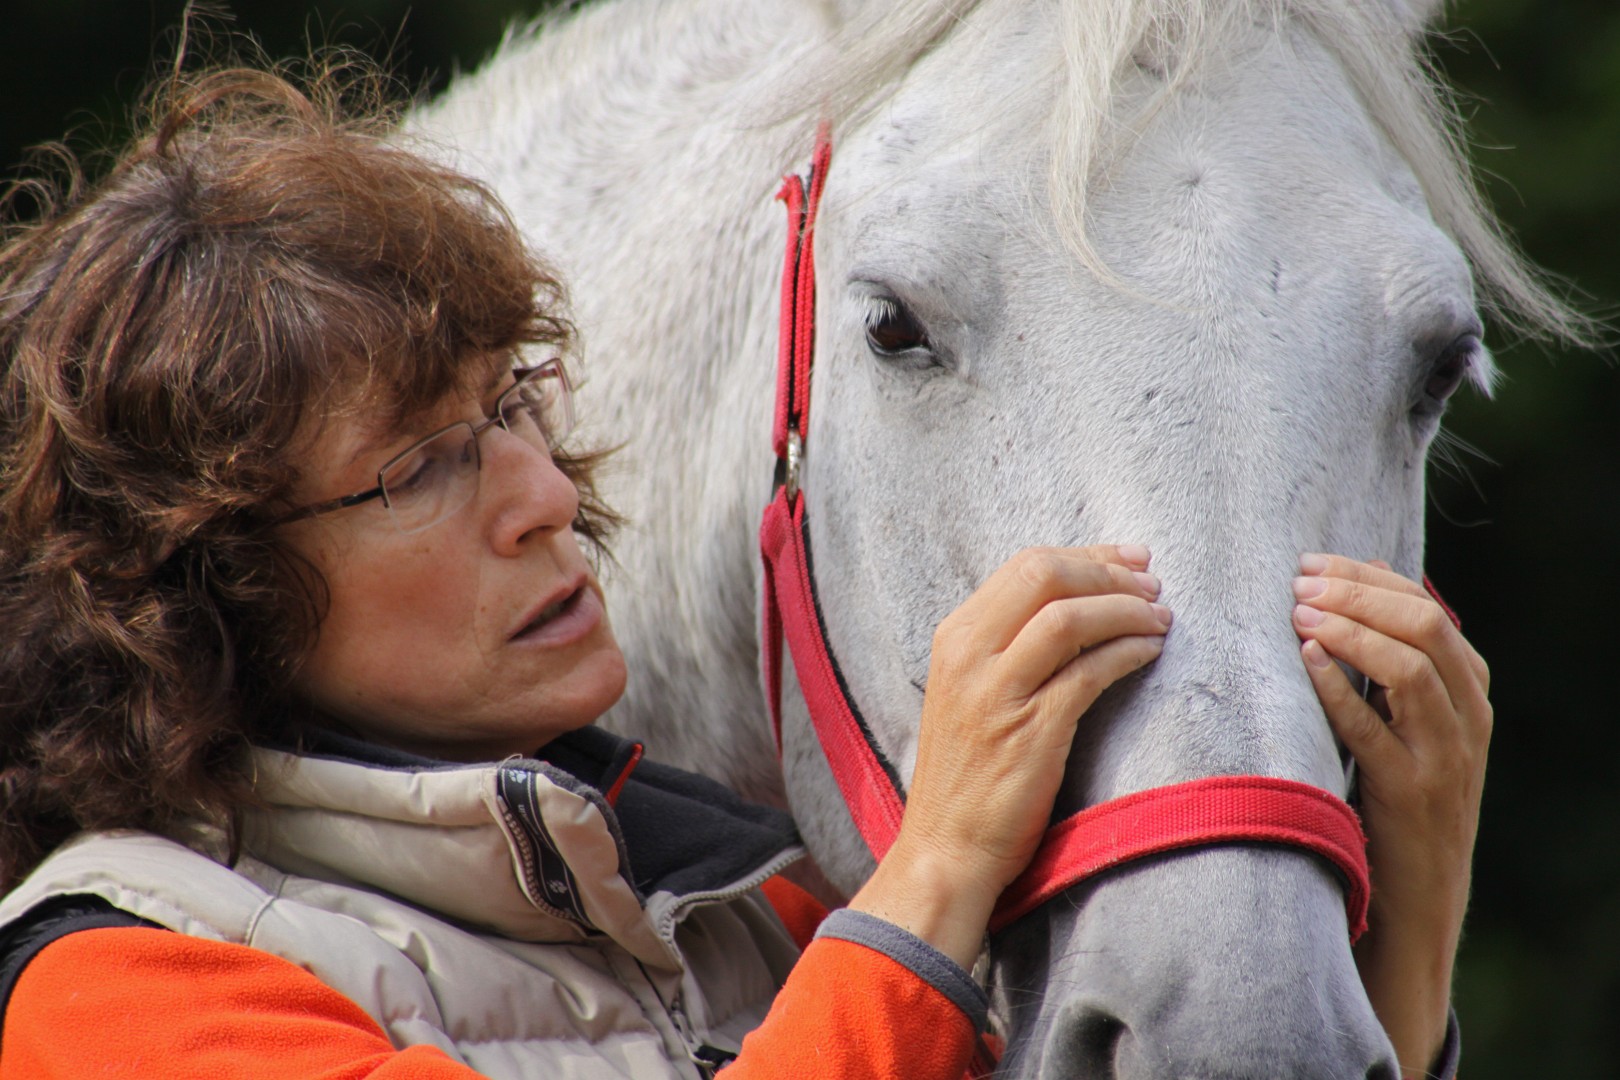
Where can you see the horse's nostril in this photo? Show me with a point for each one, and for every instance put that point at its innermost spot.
(1384, 1070)
(1090, 1045)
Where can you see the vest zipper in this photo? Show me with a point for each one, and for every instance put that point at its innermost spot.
(666, 924)
(707, 1059)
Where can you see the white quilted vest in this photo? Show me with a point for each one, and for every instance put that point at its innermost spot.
(487, 910)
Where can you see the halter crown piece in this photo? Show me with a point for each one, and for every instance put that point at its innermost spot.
(1198, 813)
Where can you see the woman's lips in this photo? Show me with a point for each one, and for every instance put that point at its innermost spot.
(563, 622)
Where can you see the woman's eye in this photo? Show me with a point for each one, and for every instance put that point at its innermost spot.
(414, 476)
(891, 329)
(1450, 370)
(520, 415)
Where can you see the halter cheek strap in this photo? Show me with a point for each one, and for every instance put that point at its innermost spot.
(1198, 813)
(868, 782)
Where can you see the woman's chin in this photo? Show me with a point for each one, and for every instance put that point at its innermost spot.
(592, 687)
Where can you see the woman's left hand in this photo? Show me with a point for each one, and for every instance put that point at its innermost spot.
(1419, 740)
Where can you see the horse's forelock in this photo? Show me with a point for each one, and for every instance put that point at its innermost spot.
(869, 50)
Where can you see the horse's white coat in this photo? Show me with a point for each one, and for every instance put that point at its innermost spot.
(1183, 285)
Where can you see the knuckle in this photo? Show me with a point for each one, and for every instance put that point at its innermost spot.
(1035, 566)
(1343, 568)
(1365, 602)
(1069, 620)
(1366, 726)
(1354, 722)
(949, 655)
(1352, 632)
(1412, 668)
(1433, 626)
(1120, 579)
(1334, 689)
(1087, 685)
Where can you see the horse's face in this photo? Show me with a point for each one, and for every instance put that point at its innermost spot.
(1254, 385)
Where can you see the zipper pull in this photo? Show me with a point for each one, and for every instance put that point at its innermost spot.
(708, 1059)
(711, 1059)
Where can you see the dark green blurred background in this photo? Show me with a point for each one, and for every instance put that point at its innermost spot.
(1524, 538)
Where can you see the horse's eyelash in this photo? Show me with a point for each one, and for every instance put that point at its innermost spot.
(1474, 356)
(879, 308)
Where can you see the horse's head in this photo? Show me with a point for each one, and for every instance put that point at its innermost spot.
(1217, 317)
(1196, 274)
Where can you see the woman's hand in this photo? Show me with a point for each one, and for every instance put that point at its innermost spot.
(1420, 741)
(1012, 670)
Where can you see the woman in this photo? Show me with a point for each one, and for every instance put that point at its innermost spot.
(303, 646)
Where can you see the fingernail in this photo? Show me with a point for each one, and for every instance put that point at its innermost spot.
(1163, 613)
(1312, 564)
(1135, 554)
(1307, 587)
(1149, 583)
(1315, 655)
(1307, 616)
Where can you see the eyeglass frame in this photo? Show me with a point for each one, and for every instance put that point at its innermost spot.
(525, 376)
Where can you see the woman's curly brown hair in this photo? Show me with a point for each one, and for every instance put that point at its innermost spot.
(260, 256)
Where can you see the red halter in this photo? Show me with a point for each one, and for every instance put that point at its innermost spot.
(1214, 810)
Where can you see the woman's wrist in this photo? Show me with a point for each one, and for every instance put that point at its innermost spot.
(931, 897)
(1408, 981)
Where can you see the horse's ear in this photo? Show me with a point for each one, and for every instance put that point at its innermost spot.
(1416, 15)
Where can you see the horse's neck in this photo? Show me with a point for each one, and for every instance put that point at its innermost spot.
(608, 137)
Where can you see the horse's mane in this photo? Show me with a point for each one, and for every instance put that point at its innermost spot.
(1386, 58)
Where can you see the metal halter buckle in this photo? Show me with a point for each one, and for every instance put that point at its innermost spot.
(795, 455)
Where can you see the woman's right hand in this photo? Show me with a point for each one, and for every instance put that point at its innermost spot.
(1012, 670)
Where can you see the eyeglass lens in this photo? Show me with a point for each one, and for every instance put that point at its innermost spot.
(438, 476)
(538, 407)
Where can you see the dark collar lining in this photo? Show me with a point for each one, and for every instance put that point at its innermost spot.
(682, 833)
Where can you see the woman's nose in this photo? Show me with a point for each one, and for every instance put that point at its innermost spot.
(522, 492)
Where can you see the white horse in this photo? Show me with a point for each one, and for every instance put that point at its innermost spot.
(1197, 274)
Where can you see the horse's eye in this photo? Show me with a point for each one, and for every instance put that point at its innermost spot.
(892, 330)
(1449, 371)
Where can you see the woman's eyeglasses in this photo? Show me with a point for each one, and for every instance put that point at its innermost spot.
(438, 475)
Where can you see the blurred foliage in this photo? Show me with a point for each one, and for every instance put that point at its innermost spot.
(1526, 544)
(1525, 535)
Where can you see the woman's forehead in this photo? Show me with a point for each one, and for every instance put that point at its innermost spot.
(358, 425)
(390, 401)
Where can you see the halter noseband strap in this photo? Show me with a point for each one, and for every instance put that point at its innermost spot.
(1198, 813)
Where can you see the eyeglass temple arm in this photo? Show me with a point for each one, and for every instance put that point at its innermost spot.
(331, 504)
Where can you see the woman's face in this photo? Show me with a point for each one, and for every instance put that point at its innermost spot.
(480, 637)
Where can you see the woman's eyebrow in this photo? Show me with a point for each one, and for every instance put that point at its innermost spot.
(384, 437)
(372, 446)
(500, 380)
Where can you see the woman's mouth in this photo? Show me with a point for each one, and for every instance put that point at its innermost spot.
(563, 621)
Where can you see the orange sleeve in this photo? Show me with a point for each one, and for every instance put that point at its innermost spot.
(137, 1003)
(800, 912)
(848, 1011)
